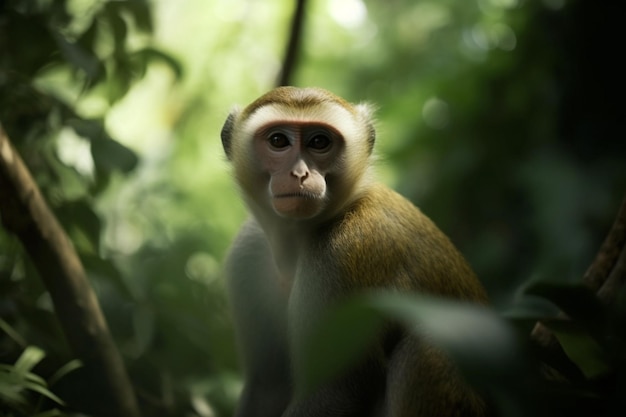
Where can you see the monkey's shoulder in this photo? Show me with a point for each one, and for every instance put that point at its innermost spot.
(384, 237)
(381, 213)
(249, 249)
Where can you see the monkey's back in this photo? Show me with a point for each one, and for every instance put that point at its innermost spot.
(384, 240)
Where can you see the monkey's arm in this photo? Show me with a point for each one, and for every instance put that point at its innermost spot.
(259, 312)
(356, 392)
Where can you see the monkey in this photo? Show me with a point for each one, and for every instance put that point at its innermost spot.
(321, 229)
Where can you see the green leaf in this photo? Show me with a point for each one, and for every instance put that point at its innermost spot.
(139, 9)
(87, 42)
(119, 80)
(78, 56)
(577, 301)
(19, 377)
(81, 218)
(153, 54)
(483, 345)
(581, 347)
(10, 390)
(117, 25)
(43, 390)
(109, 155)
(106, 270)
(480, 342)
(12, 333)
(31, 356)
(339, 341)
(69, 367)
(50, 413)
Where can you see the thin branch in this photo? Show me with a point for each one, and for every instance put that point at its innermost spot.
(606, 276)
(607, 273)
(25, 213)
(293, 47)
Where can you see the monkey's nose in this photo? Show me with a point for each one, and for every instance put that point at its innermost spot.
(300, 171)
(300, 176)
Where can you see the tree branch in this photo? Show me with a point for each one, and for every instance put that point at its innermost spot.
(25, 213)
(293, 47)
(606, 276)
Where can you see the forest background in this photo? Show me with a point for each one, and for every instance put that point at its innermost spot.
(499, 118)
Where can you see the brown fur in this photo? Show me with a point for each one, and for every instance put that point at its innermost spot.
(295, 97)
(385, 241)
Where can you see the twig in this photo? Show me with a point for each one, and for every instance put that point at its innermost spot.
(607, 274)
(293, 47)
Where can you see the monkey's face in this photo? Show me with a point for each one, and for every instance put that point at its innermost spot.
(296, 158)
(299, 153)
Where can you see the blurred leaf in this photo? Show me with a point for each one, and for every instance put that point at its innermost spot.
(12, 333)
(118, 80)
(68, 368)
(31, 356)
(144, 322)
(341, 339)
(481, 343)
(483, 346)
(109, 155)
(80, 215)
(106, 270)
(87, 41)
(577, 301)
(33, 31)
(117, 25)
(79, 57)
(580, 347)
(41, 388)
(139, 9)
(152, 54)
(49, 413)
(19, 377)
(11, 393)
(530, 307)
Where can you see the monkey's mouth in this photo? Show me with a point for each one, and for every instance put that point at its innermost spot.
(298, 205)
(299, 194)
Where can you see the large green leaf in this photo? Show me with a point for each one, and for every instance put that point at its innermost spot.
(578, 302)
(581, 347)
(341, 339)
(485, 348)
(108, 154)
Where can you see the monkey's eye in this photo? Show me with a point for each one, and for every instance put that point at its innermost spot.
(319, 142)
(278, 141)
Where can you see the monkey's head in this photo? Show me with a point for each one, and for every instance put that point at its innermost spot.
(301, 153)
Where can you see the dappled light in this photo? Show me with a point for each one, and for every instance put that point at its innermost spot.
(349, 13)
(436, 113)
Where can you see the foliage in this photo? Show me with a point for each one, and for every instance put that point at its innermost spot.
(497, 117)
(17, 381)
(81, 58)
(492, 350)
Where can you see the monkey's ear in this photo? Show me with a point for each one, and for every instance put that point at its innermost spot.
(227, 132)
(366, 114)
